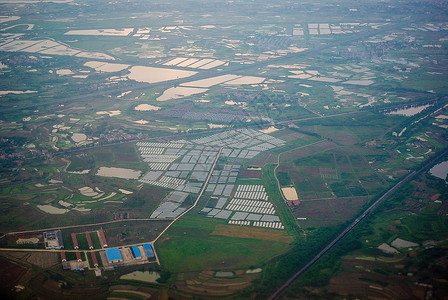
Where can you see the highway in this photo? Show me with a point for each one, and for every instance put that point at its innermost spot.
(389, 192)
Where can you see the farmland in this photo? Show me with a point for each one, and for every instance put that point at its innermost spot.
(232, 139)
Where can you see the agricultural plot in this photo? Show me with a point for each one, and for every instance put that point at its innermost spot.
(171, 206)
(193, 63)
(186, 165)
(249, 206)
(49, 47)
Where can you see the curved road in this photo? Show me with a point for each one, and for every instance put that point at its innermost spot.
(408, 177)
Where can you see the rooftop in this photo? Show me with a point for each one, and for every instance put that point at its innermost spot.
(113, 254)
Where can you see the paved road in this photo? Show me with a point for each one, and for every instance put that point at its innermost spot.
(291, 280)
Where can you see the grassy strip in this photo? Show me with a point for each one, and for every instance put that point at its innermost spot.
(270, 184)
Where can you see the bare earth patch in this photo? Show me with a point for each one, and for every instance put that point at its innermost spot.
(253, 233)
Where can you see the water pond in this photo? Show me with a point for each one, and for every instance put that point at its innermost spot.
(146, 276)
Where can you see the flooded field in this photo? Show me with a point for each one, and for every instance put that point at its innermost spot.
(111, 113)
(52, 210)
(440, 170)
(146, 107)
(179, 92)
(146, 276)
(118, 172)
(224, 274)
(410, 111)
(16, 92)
(153, 75)
(208, 82)
(106, 67)
(101, 32)
(79, 137)
(246, 80)
(254, 271)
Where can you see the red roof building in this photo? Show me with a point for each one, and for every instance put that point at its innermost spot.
(63, 257)
(102, 238)
(78, 256)
(89, 240)
(75, 241)
(94, 260)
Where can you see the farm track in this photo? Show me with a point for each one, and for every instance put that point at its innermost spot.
(371, 208)
(193, 206)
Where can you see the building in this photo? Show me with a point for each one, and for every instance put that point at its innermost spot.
(102, 238)
(114, 255)
(53, 239)
(94, 260)
(63, 257)
(136, 252)
(97, 272)
(148, 249)
(89, 240)
(75, 241)
(78, 256)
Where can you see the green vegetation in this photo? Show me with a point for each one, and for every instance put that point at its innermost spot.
(193, 236)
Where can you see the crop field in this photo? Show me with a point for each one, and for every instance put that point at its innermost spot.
(254, 233)
(256, 132)
(12, 273)
(206, 284)
(222, 250)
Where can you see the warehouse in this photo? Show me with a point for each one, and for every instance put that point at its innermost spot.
(148, 249)
(136, 252)
(114, 255)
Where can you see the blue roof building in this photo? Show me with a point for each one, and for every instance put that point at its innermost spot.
(148, 249)
(114, 255)
(136, 252)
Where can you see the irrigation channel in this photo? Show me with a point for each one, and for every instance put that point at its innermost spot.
(372, 207)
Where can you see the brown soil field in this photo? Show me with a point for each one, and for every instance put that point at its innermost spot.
(43, 259)
(123, 233)
(263, 159)
(205, 284)
(317, 223)
(346, 208)
(307, 151)
(313, 171)
(250, 174)
(47, 288)
(342, 136)
(314, 209)
(296, 177)
(253, 233)
(11, 273)
(355, 281)
(289, 135)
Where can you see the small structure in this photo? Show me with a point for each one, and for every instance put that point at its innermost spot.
(63, 257)
(136, 252)
(114, 255)
(78, 256)
(97, 272)
(53, 239)
(148, 249)
(89, 240)
(94, 260)
(75, 241)
(102, 238)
